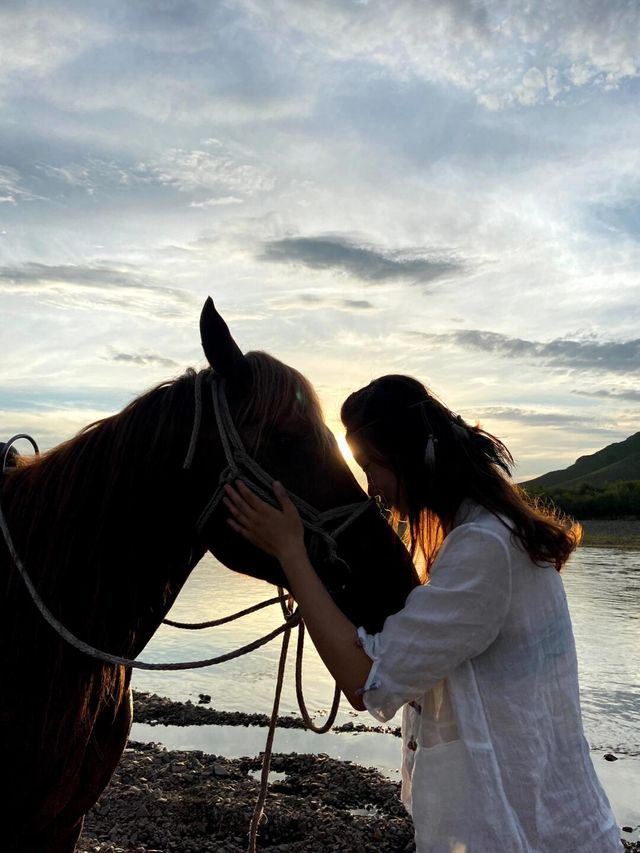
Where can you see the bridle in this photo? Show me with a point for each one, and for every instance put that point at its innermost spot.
(240, 466)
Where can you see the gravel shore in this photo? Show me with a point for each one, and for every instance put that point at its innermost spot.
(189, 802)
(611, 533)
(162, 801)
(157, 710)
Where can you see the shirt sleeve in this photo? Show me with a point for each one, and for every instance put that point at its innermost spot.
(452, 618)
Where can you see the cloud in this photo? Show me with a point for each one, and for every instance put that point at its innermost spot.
(96, 287)
(230, 169)
(94, 173)
(621, 218)
(49, 398)
(632, 394)
(163, 97)
(539, 418)
(188, 64)
(369, 265)
(173, 26)
(531, 88)
(311, 302)
(357, 304)
(508, 52)
(142, 359)
(590, 355)
(222, 201)
(38, 38)
(566, 423)
(12, 190)
(233, 172)
(191, 62)
(50, 425)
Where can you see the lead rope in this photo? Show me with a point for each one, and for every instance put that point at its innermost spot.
(229, 436)
(91, 651)
(258, 812)
(236, 456)
(213, 623)
(333, 713)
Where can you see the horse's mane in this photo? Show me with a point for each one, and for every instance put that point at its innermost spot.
(76, 514)
(85, 482)
(81, 516)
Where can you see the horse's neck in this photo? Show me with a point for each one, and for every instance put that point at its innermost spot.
(108, 571)
(156, 553)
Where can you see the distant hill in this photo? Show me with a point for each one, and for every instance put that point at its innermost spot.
(614, 463)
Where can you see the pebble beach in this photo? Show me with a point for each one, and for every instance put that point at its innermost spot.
(190, 802)
(170, 801)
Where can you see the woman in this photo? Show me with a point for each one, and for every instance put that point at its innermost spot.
(481, 657)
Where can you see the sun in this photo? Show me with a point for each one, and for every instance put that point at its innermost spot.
(345, 449)
(349, 459)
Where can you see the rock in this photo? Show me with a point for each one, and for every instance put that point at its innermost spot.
(610, 757)
(204, 803)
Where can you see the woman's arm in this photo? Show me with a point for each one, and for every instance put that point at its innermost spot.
(281, 534)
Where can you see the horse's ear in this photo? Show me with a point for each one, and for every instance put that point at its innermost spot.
(222, 352)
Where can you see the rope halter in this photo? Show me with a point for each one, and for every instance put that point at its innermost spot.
(242, 466)
(238, 461)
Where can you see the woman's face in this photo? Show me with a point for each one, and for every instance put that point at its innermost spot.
(381, 481)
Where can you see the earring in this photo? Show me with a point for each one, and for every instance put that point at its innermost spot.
(430, 452)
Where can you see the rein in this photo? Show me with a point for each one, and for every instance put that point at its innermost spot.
(240, 466)
(237, 460)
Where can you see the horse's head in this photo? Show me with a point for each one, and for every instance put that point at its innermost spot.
(279, 421)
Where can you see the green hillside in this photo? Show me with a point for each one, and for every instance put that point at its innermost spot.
(602, 485)
(616, 462)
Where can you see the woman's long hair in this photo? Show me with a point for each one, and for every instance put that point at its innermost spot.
(440, 461)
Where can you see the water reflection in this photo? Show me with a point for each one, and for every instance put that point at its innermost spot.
(366, 748)
(603, 589)
(245, 683)
(621, 779)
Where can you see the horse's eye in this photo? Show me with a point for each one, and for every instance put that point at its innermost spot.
(283, 440)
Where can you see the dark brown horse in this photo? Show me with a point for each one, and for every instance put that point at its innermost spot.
(106, 526)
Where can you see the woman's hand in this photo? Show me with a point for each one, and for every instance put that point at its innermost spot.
(278, 532)
(281, 534)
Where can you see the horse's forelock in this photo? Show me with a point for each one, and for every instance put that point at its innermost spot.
(279, 393)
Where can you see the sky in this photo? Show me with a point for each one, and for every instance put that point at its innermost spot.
(448, 189)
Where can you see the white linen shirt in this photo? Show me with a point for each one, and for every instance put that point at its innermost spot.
(495, 759)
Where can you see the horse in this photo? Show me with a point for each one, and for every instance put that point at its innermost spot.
(108, 526)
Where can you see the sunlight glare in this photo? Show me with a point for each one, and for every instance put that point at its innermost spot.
(356, 470)
(345, 449)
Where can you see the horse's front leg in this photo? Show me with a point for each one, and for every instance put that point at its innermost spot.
(103, 752)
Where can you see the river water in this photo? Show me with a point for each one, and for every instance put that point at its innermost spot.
(603, 589)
